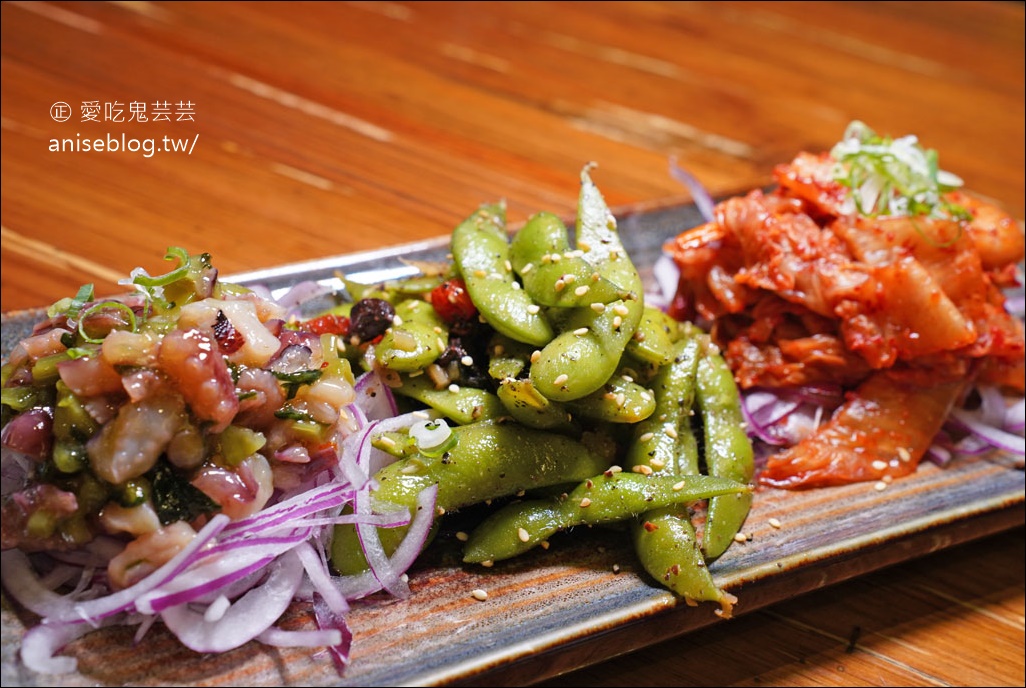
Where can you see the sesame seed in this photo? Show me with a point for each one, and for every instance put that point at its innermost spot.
(523, 534)
(621, 309)
(616, 568)
(467, 361)
(559, 285)
(595, 277)
(440, 511)
(516, 286)
(555, 257)
(740, 537)
(583, 246)
(527, 268)
(617, 322)
(561, 379)
(879, 465)
(880, 486)
(614, 469)
(775, 522)
(454, 388)
(672, 432)
(508, 266)
(479, 594)
(677, 487)
(462, 536)
(479, 273)
(657, 463)
(904, 454)
(535, 355)
(581, 331)
(387, 441)
(582, 290)
(598, 307)
(397, 321)
(440, 344)
(437, 329)
(585, 503)
(534, 309)
(646, 437)
(642, 469)
(488, 563)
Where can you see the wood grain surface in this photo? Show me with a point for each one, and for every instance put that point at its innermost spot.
(316, 129)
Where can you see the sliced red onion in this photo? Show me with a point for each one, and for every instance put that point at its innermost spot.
(374, 397)
(327, 618)
(42, 642)
(703, 201)
(25, 586)
(248, 617)
(996, 437)
(320, 578)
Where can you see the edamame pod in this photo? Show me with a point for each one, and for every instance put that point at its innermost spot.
(488, 461)
(480, 249)
(657, 439)
(586, 354)
(653, 340)
(551, 273)
(416, 342)
(529, 407)
(460, 404)
(606, 498)
(728, 451)
(667, 547)
(592, 339)
(619, 400)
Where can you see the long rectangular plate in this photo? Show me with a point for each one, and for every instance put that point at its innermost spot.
(582, 600)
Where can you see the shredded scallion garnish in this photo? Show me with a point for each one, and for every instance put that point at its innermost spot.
(893, 177)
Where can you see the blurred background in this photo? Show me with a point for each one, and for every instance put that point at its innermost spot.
(276, 132)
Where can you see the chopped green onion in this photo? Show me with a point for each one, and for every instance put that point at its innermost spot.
(293, 381)
(893, 176)
(433, 437)
(133, 325)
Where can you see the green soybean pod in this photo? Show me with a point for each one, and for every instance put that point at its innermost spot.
(654, 339)
(552, 273)
(599, 240)
(608, 498)
(656, 441)
(488, 461)
(527, 406)
(619, 400)
(460, 404)
(416, 342)
(480, 250)
(586, 354)
(728, 451)
(667, 547)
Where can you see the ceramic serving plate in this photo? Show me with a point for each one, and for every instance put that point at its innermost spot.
(585, 598)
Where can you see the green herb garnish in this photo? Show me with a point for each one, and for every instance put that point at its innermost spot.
(894, 176)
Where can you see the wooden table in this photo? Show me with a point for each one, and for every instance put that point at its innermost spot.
(312, 129)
